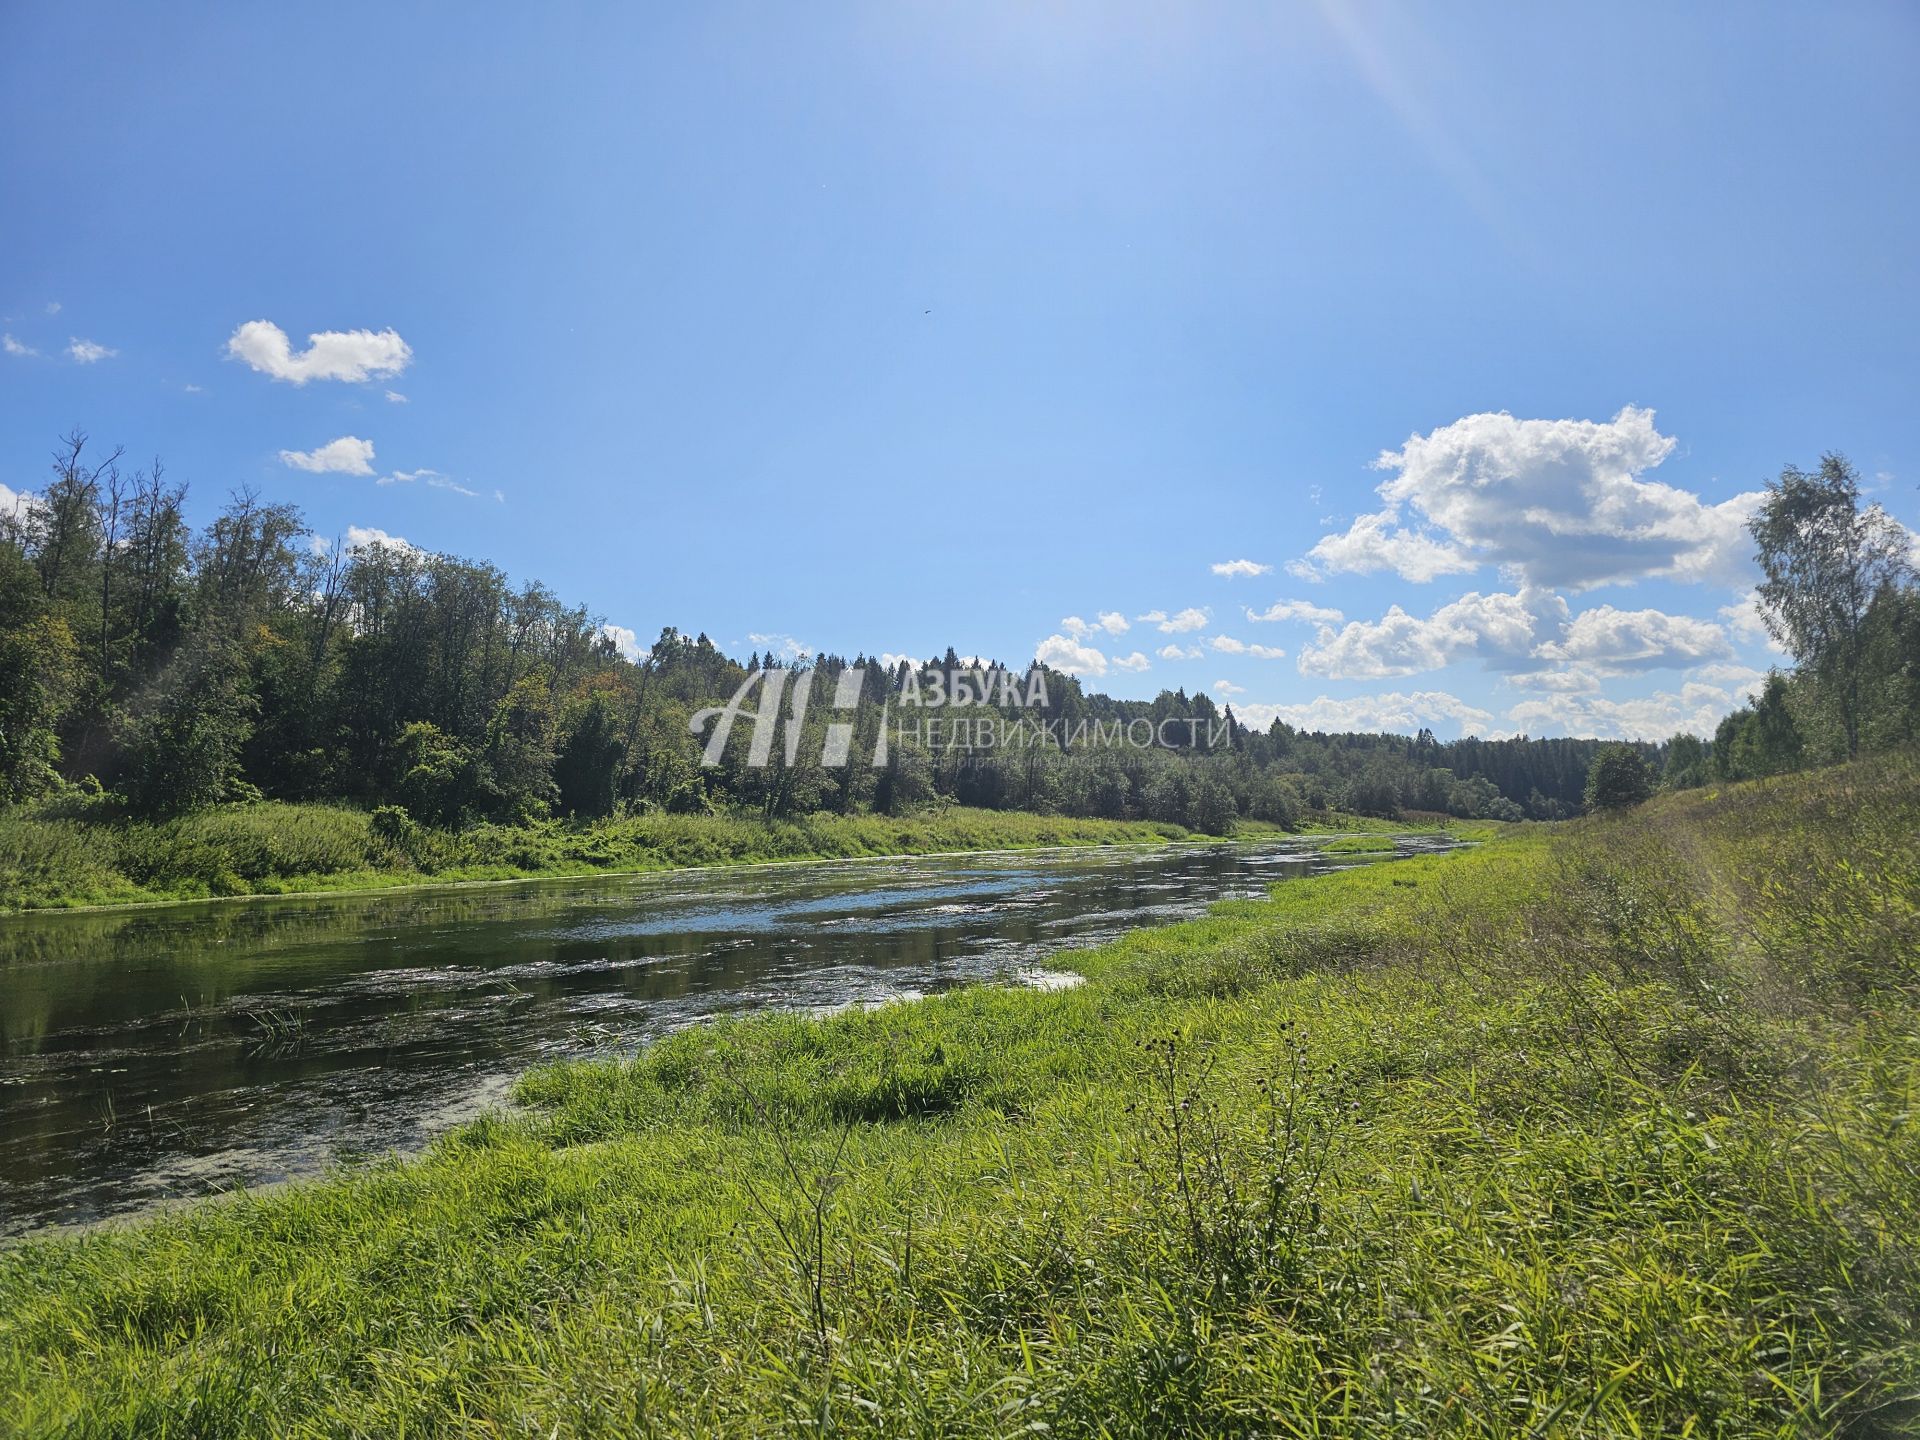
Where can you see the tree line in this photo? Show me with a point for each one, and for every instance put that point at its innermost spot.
(150, 669)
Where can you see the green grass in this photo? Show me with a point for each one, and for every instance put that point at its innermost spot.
(272, 849)
(1360, 845)
(1606, 1128)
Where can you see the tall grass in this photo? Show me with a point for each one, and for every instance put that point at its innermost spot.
(1604, 1129)
(276, 848)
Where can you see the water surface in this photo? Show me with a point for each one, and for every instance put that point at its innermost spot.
(150, 1054)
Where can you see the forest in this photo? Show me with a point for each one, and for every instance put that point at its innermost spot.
(149, 670)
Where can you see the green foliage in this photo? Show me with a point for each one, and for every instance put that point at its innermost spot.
(437, 779)
(1761, 739)
(185, 734)
(37, 661)
(1826, 561)
(1599, 1130)
(1688, 763)
(53, 858)
(1620, 777)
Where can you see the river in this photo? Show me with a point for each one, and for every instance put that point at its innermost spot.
(155, 1053)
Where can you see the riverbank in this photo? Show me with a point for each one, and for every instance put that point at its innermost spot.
(1603, 1128)
(277, 849)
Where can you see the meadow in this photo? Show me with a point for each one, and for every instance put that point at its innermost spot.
(1599, 1128)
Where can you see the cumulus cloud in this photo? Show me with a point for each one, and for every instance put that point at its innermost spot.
(1113, 622)
(1171, 651)
(15, 347)
(1499, 628)
(349, 455)
(1369, 544)
(1621, 640)
(1227, 645)
(626, 642)
(1742, 618)
(1183, 623)
(1227, 687)
(1695, 709)
(1295, 610)
(394, 397)
(1136, 662)
(1513, 633)
(1236, 569)
(85, 352)
(365, 537)
(1070, 656)
(1562, 503)
(1393, 711)
(330, 354)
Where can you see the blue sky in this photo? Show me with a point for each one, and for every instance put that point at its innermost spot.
(895, 326)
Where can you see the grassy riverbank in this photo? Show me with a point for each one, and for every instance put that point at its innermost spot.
(1602, 1129)
(275, 849)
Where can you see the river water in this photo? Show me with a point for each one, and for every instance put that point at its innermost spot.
(156, 1053)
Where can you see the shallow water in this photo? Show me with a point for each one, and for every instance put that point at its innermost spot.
(152, 1054)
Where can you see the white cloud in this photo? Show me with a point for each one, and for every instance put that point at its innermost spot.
(1183, 623)
(1227, 645)
(1574, 680)
(625, 641)
(14, 347)
(784, 646)
(1401, 713)
(1742, 617)
(1696, 709)
(1510, 632)
(1295, 610)
(365, 537)
(330, 354)
(1111, 621)
(1177, 652)
(1136, 662)
(193, 390)
(1233, 569)
(1497, 627)
(85, 352)
(349, 455)
(432, 478)
(1070, 656)
(1739, 681)
(1368, 545)
(53, 307)
(394, 397)
(1560, 502)
(14, 504)
(1152, 617)
(1621, 640)
(1227, 687)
